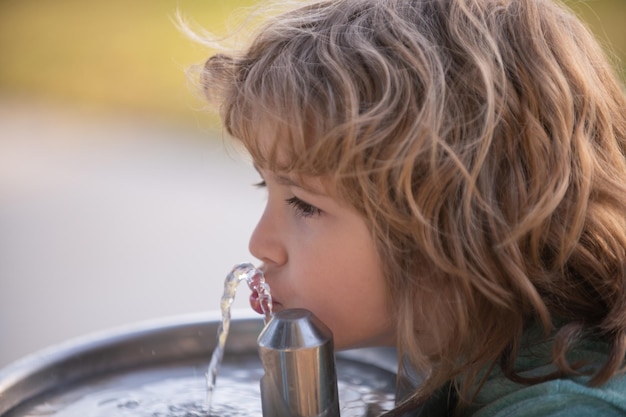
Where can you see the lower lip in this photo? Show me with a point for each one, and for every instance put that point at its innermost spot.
(255, 303)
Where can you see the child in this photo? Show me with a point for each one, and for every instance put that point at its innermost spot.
(449, 177)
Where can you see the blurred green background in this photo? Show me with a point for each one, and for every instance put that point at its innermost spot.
(128, 56)
(114, 55)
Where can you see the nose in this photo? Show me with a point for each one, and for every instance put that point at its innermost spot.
(266, 242)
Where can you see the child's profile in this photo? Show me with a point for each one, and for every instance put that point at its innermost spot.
(447, 177)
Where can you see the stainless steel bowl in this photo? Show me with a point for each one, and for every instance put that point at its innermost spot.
(145, 368)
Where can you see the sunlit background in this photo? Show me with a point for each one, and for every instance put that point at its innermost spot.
(119, 201)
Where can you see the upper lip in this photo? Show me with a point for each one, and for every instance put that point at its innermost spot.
(275, 303)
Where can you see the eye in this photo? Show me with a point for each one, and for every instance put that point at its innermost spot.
(260, 184)
(303, 208)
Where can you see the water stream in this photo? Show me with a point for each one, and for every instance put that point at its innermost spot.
(256, 282)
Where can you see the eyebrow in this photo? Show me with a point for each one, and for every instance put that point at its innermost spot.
(290, 182)
(283, 180)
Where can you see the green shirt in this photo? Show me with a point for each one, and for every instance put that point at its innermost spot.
(567, 397)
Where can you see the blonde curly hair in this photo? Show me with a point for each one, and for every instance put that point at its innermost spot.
(484, 143)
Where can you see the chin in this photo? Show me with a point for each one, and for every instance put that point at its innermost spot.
(368, 343)
(340, 346)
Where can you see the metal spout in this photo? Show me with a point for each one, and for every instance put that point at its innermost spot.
(297, 354)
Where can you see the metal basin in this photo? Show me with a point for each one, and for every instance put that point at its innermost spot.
(157, 369)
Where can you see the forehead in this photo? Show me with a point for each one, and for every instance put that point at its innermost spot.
(273, 157)
(283, 146)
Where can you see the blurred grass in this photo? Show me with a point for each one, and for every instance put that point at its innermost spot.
(607, 19)
(110, 55)
(128, 55)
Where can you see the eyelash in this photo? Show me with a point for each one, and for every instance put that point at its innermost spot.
(302, 208)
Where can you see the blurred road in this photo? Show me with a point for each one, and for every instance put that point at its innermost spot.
(107, 222)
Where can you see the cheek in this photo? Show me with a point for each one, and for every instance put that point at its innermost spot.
(353, 302)
(360, 324)
(335, 272)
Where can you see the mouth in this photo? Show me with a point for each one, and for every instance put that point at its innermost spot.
(259, 304)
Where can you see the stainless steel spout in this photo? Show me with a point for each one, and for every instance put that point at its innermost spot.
(300, 380)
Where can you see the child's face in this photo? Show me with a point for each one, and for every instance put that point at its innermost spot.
(318, 254)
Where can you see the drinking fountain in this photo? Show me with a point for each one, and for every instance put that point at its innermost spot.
(157, 369)
(298, 358)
